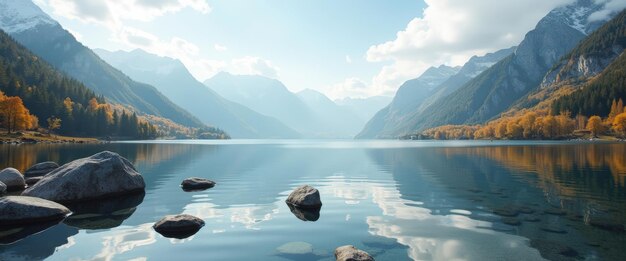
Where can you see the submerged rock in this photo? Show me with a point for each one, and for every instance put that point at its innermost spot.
(41, 169)
(178, 226)
(13, 179)
(351, 253)
(194, 184)
(606, 224)
(18, 210)
(295, 248)
(14, 233)
(305, 197)
(554, 251)
(102, 175)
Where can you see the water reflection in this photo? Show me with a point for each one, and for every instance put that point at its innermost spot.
(397, 202)
(104, 213)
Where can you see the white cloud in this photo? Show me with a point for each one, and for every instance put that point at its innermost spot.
(610, 7)
(351, 87)
(450, 32)
(348, 59)
(220, 48)
(255, 66)
(112, 13)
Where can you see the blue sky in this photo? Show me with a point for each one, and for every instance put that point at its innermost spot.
(343, 48)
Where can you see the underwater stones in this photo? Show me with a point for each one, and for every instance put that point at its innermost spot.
(178, 226)
(511, 221)
(555, 212)
(506, 212)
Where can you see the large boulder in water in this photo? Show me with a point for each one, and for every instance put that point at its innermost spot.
(13, 179)
(102, 175)
(17, 210)
(41, 169)
(305, 197)
(351, 253)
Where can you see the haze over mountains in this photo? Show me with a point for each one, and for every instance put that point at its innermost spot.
(171, 78)
(253, 106)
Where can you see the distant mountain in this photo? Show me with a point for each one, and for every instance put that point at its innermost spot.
(496, 89)
(269, 97)
(30, 26)
(597, 67)
(364, 108)
(407, 100)
(173, 79)
(335, 121)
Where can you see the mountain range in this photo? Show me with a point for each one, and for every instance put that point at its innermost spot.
(37, 31)
(495, 88)
(172, 79)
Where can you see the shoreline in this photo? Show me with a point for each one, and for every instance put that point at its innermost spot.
(33, 137)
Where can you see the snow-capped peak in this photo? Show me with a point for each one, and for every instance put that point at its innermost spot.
(577, 14)
(20, 15)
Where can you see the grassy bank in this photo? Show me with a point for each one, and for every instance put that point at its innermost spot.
(38, 137)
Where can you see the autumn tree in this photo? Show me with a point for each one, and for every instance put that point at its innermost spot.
(53, 124)
(619, 124)
(595, 125)
(14, 115)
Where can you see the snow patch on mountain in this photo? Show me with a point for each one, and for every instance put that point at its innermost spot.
(21, 15)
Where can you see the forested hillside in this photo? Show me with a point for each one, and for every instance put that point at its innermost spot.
(49, 94)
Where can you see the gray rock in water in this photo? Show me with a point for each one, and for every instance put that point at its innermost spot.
(351, 253)
(32, 180)
(305, 197)
(102, 175)
(18, 210)
(41, 169)
(191, 184)
(3, 188)
(178, 226)
(12, 178)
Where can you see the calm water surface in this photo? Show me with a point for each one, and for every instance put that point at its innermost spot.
(395, 200)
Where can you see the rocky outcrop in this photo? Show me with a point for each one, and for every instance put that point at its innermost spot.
(13, 179)
(18, 210)
(41, 169)
(102, 175)
(351, 253)
(194, 184)
(178, 226)
(305, 197)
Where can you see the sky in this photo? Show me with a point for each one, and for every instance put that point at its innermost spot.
(342, 48)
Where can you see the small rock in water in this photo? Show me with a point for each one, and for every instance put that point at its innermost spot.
(351, 253)
(13, 179)
(606, 224)
(102, 175)
(41, 169)
(193, 184)
(553, 229)
(526, 210)
(511, 221)
(305, 197)
(553, 250)
(506, 212)
(178, 226)
(18, 210)
(32, 180)
(531, 219)
(555, 212)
